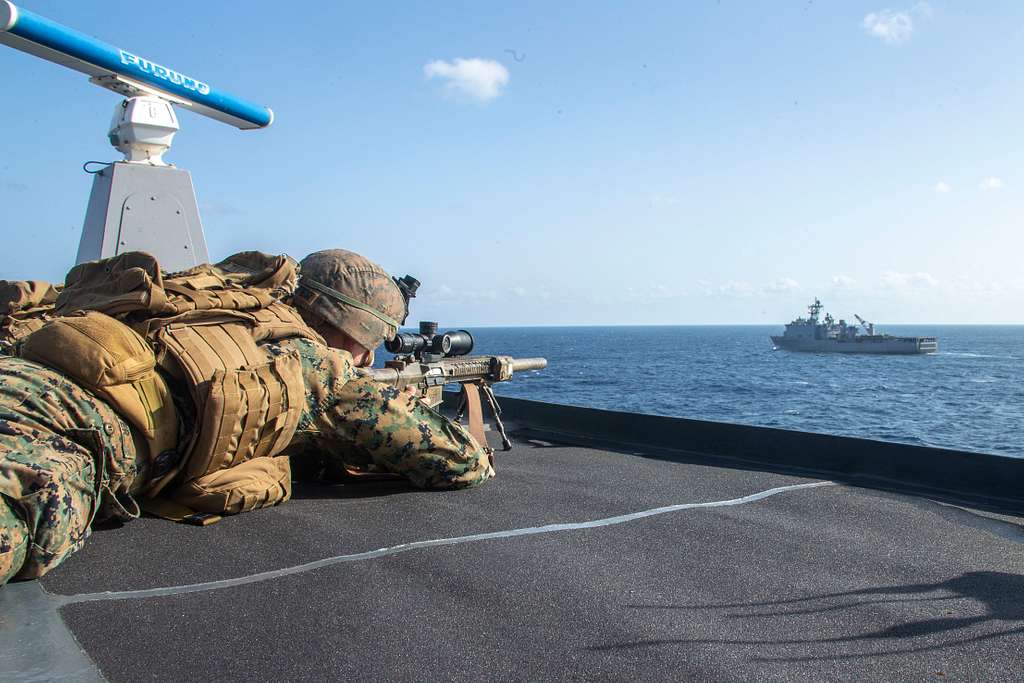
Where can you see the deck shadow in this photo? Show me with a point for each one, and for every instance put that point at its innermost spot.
(1001, 594)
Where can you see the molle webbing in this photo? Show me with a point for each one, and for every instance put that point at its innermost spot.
(247, 407)
(278, 321)
(183, 297)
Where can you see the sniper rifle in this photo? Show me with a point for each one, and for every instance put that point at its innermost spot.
(427, 361)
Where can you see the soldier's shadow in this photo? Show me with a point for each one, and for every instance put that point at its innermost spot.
(319, 490)
(315, 478)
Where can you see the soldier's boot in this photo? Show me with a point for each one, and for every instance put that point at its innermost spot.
(14, 542)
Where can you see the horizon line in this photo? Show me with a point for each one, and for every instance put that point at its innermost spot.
(964, 324)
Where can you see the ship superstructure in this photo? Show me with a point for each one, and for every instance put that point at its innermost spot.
(825, 335)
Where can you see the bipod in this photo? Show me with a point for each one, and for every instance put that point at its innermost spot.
(469, 401)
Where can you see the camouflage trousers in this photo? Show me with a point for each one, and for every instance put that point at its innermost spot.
(66, 458)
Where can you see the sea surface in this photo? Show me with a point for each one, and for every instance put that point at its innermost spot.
(969, 396)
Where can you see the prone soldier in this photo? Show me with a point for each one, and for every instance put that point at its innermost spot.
(185, 395)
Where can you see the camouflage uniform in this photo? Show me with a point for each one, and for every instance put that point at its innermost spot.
(66, 457)
(356, 422)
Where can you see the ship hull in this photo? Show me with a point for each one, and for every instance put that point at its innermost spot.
(878, 345)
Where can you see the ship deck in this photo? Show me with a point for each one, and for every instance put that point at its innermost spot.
(610, 546)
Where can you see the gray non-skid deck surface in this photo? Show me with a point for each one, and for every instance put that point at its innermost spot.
(829, 582)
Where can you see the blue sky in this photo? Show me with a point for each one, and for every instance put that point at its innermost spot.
(588, 163)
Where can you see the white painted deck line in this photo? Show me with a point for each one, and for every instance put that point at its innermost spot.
(418, 545)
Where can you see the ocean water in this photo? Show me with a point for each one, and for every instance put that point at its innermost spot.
(969, 396)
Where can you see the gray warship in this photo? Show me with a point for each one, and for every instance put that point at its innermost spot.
(828, 336)
(612, 546)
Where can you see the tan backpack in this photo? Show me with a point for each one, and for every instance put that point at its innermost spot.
(109, 359)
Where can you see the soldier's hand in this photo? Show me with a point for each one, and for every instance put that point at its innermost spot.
(411, 392)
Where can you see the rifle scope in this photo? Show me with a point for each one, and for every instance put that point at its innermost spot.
(428, 341)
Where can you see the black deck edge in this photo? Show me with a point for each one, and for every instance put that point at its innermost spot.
(985, 480)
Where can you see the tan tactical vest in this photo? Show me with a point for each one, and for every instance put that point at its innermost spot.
(206, 325)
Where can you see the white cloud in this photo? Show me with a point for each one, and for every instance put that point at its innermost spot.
(964, 284)
(742, 289)
(894, 27)
(783, 284)
(481, 79)
(893, 279)
(889, 26)
(482, 295)
(518, 291)
(736, 288)
(991, 184)
(649, 293)
(843, 281)
(942, 187)
(658, 290)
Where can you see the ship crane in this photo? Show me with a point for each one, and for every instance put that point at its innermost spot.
(865, 324)
(142, 202)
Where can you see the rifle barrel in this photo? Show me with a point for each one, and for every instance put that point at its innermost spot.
(522, 364)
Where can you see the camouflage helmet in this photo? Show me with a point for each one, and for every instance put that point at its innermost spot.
(351, 294)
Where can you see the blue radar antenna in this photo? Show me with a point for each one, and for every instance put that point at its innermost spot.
(140, 203)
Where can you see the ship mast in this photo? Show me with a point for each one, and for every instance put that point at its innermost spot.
(814, 309)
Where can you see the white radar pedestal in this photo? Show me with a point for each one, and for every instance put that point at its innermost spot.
(142, 203)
